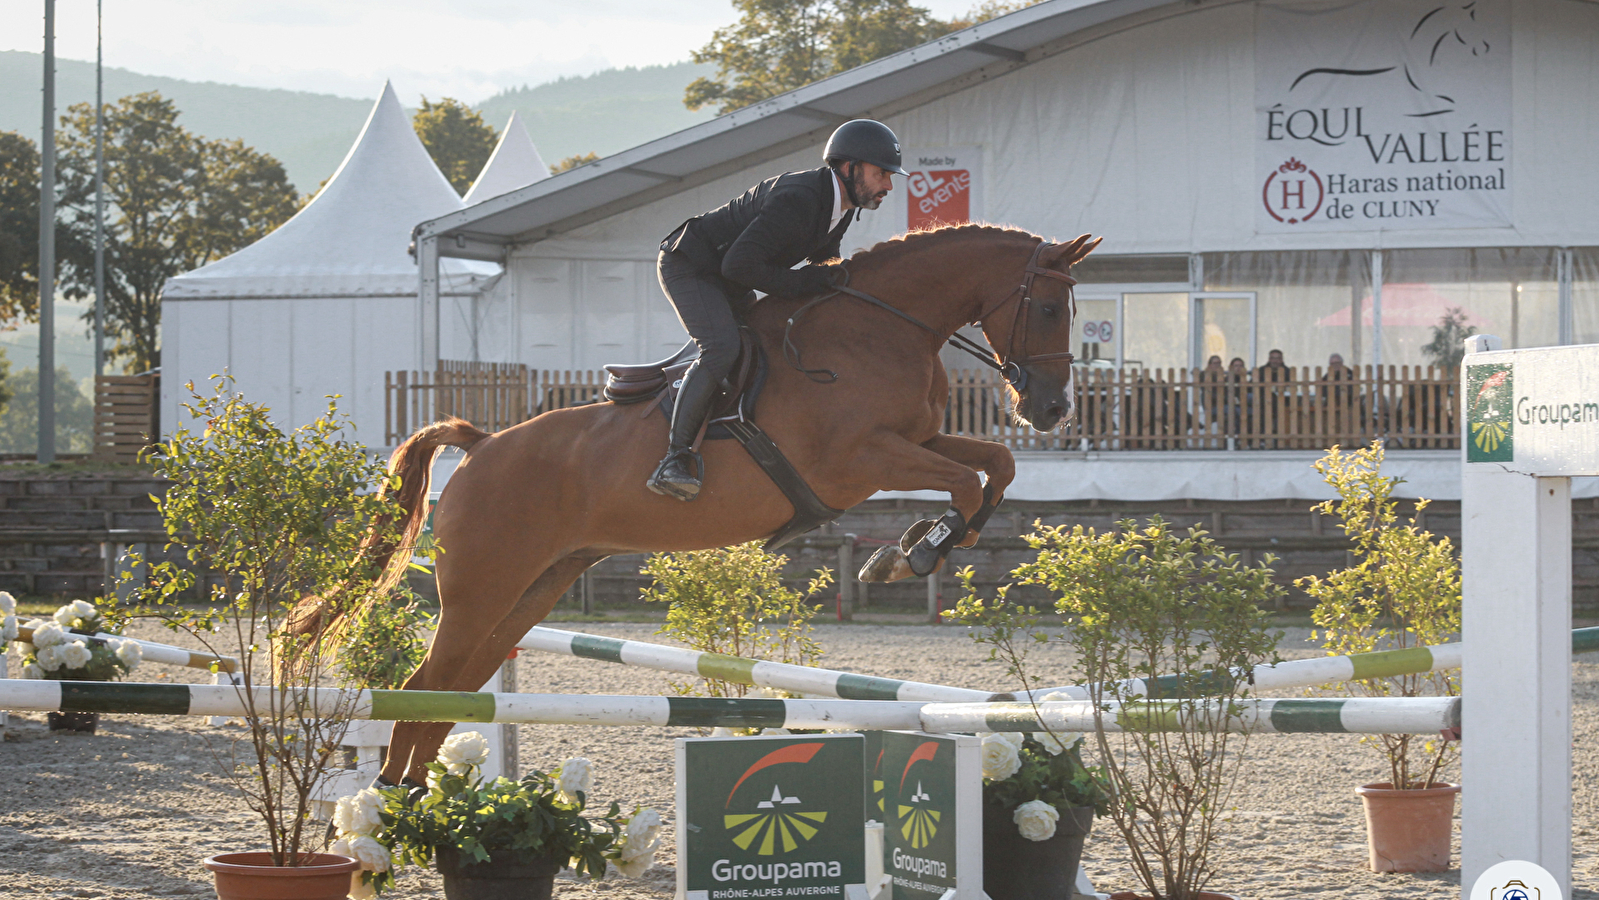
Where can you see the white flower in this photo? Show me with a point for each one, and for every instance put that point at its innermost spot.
(8, 603)
(642, 834)
(48, 658)
(1000, 759)
(129, 652)
(575, 776)
(8, 628)
(461, 752)
(358, 815)
(775, 731)
(1057, 744)
(32, 670)
(26, 649)
(49, 635)
(719, 731)
(359, 888)
(1036, 820)
(1058, 697)
(75, 655)
(374, 856)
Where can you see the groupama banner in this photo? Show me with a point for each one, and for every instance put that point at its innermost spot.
(933, 830)
(1382, 115)
(771, 817)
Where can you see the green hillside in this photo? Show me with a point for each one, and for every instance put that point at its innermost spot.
(310, 133)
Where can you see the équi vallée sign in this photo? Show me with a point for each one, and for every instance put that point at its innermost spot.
(771, 817)
(1381, 115)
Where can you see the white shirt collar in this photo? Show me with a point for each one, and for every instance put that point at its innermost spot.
(838, 201)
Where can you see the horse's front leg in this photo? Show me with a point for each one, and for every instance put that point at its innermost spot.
(892, 463)
(992, 459)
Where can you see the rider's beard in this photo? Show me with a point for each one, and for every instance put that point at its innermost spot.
(868, 201)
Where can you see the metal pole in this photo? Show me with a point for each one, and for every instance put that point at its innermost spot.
(47, 246)
(932, 598)
(846, 578)
(99, 196)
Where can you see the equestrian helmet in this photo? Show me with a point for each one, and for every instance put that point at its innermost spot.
(865, 140)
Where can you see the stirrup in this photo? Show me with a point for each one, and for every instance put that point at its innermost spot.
(686, 486)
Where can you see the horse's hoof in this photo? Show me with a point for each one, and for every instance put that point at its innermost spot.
(880, 567)
(970, 540)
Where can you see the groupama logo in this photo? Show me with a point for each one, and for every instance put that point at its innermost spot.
(918, 822)
(1489, 389)
(778, 825)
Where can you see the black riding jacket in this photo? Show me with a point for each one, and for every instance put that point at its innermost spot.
(757, 238)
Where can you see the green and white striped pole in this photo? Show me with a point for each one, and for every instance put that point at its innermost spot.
(739, 670)
(1372, 715)
(1414, 715)
(153, 652)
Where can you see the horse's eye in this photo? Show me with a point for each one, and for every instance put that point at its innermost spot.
(1051, 310)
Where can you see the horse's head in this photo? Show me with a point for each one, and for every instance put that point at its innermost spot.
(1034, 326)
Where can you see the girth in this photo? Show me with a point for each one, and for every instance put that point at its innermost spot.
(731, 417)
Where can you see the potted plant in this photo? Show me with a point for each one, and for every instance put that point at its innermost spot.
(1141, 602)
(64, 648)
(263, 518)
(1402, 591)
(1039, 801)
(491, 839)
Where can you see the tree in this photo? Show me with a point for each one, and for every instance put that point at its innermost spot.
(572, 162)
(174, 202)
(457, 138)
(1448, 344)
(19, 226)
(19, 423)
(780, 45)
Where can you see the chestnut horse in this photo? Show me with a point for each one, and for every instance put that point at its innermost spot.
(530, 508)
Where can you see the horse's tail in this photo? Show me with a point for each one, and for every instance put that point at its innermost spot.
(314, 617)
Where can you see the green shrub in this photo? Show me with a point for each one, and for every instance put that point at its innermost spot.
(383, 643)
(1402, 591)
(733, 601)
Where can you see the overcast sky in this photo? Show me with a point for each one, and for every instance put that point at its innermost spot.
(468, 49)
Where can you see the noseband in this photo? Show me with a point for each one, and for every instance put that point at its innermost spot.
(1011, 365)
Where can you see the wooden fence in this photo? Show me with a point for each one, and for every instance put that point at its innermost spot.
(1117, 409)
(126, 415)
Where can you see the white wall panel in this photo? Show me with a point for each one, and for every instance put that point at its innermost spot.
(544, 313)
(324, 360)
(609, 324)
(261, 353)
(385, 340)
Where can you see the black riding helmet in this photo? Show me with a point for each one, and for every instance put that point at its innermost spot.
(865, 140)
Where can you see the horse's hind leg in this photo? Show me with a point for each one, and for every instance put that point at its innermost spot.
(463, 658)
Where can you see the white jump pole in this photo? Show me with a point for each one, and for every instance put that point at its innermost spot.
(1516, 628)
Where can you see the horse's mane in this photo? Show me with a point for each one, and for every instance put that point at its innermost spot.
(925, 238)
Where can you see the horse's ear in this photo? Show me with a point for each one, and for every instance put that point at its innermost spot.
(1064, 256)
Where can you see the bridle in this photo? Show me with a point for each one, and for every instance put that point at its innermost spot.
(1012, 365)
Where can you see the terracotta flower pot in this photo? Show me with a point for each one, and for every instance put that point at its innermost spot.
(252, 876)
(1408, 831)
(1015, 868)
(506, 875)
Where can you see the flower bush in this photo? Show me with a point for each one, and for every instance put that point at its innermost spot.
(543, 812)
(63, 647)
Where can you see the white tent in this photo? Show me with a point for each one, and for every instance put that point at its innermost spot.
(515, 163)
(327, 302)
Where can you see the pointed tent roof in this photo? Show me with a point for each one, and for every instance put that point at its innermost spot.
(516, 163)
(352, 239)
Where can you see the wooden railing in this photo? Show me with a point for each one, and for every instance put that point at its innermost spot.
(1117, 409)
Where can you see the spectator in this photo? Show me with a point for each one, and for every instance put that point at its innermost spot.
(1212, 384)
(1342, 413)
(1274, 370)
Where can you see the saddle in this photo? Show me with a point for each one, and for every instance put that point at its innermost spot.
(732, 416)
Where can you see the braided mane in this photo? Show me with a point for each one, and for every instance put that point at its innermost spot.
(922, 239)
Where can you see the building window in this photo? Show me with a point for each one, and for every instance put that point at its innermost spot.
(1513, 293)
(1585, 295)
(1310, 304)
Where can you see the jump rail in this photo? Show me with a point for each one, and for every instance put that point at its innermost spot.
(1413, 715)
(828, 682)
(153, 652)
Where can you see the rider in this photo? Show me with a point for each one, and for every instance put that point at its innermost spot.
(711, 265)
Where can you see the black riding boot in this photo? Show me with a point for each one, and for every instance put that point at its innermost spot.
(680, 472)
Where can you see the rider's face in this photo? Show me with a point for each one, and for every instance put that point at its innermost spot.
(871, 183)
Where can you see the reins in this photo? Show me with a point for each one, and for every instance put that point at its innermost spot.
(1009, 365)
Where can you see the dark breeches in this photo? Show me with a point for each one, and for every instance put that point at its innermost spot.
(705, 307)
